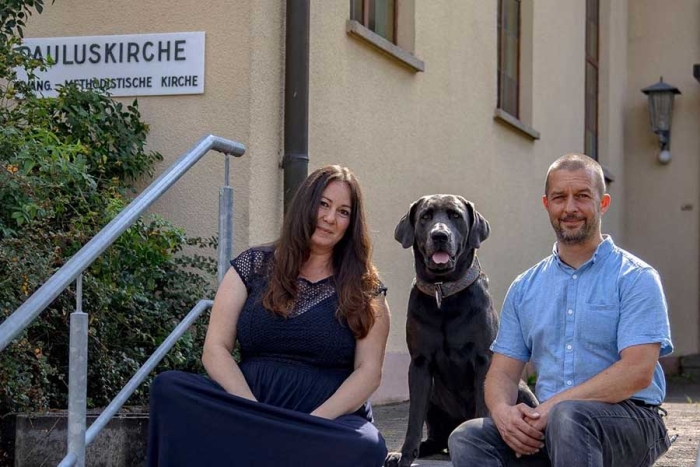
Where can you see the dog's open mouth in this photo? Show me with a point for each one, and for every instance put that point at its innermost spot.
(440, 257)
(440, 261)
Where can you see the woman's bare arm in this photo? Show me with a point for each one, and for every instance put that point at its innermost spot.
(221, 336)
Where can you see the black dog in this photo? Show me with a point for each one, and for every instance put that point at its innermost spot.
(450, 325)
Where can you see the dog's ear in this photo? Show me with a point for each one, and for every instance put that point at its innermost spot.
(480, 228)
(404, 232)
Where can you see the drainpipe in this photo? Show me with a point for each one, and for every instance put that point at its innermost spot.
(296, 98)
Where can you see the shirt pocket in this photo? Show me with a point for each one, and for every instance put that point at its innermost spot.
(598, 330)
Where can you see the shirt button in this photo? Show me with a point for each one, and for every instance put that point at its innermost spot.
(575, 276)
(569, 383)
(571, 312)
(568, 347)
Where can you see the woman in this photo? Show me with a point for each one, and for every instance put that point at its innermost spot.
(312, 321)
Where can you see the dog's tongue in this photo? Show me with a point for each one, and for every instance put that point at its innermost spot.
(440, 258)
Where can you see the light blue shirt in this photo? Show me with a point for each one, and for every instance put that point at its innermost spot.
(573, 323)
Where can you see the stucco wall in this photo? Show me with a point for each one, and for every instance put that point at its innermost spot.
(611, 99)
(662, 205)
(242, 101)
(265, 143)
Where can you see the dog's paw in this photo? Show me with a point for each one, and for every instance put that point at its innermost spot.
(394, 459)
(430, 447)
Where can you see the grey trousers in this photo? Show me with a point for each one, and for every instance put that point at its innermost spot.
(578, 433)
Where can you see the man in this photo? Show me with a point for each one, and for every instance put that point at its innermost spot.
(592, 319)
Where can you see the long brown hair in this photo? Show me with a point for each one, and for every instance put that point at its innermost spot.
(355, 276)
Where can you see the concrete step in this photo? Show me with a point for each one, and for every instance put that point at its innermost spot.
(431, 463)
(39, 440)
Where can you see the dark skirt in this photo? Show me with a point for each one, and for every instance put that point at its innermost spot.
(194, 422)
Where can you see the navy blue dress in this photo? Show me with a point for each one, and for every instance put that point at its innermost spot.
(292, 366)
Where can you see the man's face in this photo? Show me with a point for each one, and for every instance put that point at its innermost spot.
(574, 205)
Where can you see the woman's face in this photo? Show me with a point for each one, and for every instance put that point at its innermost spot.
(333, 217)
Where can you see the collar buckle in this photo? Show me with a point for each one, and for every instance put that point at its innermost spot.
(439, 294)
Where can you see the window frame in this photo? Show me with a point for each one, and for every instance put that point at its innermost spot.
(594, 63)
(502, 32)
(402, 49)
(364, 20)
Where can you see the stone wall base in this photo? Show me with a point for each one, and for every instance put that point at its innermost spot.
(34, 440)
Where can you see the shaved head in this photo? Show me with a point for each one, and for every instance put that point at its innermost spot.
(573, 162)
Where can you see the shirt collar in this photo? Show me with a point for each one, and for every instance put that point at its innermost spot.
(601, 252)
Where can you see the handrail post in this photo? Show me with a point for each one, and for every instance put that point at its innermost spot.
(77, 377)
(145, 370)
(225, 224)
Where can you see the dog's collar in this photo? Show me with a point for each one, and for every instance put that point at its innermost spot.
(441, 290)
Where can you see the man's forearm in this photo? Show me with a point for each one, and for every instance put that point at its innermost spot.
(499, 389)
(614, 384)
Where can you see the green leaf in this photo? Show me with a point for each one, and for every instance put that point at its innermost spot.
(27, 166)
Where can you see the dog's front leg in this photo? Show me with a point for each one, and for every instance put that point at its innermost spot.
(420, 384)
(481, 410)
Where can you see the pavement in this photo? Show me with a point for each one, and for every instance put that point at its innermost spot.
(683, 423)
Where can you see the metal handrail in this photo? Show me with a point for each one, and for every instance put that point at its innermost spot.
(145, 369)
(78, 436)
(120, 399)
(69, 461)
(34, 305)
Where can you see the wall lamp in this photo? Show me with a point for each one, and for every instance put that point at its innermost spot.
(660, 112)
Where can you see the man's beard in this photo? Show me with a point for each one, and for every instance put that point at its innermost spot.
(574, 237)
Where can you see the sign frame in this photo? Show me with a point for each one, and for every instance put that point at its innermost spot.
(161, 64)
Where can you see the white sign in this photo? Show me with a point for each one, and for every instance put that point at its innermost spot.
(125, 65)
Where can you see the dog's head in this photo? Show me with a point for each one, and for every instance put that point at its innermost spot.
(442, 229)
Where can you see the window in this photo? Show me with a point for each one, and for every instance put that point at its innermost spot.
(592, 27)
(514, 107)
(388, 26)
(379, 16)
(509, 56)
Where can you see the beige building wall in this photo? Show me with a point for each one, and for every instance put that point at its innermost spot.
(613, 86)
(408, 133)
(662, 202)
(242, 101)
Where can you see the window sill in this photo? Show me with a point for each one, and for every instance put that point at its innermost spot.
(506, 118)
(358, 30)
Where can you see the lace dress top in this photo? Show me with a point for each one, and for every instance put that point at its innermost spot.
(311, 334)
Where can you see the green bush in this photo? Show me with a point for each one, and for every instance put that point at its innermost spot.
(67, 167)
